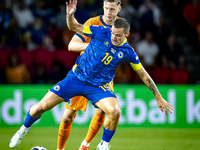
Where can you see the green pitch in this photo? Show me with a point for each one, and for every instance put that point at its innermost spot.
(124, 139)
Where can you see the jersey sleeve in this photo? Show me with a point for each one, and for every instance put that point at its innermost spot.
(94, 30)
(133, 60)
(83, 37)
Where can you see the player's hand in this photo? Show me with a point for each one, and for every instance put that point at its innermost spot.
(71, 7)
(164, 105)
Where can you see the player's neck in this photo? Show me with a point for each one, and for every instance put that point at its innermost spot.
(108, 22)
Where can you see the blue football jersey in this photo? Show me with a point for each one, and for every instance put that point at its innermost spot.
(98, 63)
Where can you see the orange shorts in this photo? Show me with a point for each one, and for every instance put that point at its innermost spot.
(80, 102)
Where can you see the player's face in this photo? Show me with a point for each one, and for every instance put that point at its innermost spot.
(118, 36)
(110, 10)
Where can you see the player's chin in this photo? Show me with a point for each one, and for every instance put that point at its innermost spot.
(115, 43)
(109, 17)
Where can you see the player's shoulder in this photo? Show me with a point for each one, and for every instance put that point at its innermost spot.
(94, 21)
(101, 30)
(128, 48)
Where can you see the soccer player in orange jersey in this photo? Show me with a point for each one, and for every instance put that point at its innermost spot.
(78, 44)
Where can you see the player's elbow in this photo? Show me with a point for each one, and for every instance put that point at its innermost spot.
(73, 27)
(70, 47)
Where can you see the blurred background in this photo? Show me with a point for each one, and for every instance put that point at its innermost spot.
(34, 40)
(164, 33)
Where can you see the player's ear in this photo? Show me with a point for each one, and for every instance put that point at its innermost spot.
(119, 8)
(127, 34)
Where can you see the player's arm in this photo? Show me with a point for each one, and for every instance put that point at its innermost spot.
(71, 21)
(79, 42)
(76, 44)
(162, 104)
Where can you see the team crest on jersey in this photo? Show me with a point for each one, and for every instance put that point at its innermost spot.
(56, 88)
(113, 50)
(106, 43)
(120, 55)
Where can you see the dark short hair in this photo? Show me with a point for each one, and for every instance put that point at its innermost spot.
(122, 23)
(118, 2)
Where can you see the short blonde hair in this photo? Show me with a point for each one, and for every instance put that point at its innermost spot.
(118, 2)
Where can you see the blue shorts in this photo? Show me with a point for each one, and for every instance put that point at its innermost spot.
(71, 86)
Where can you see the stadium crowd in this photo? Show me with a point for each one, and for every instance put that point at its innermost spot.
(34, 39)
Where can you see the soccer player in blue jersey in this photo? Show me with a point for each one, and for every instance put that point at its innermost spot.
(91, 73)
(78, 44)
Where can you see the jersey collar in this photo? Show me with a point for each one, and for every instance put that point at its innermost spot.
(125, 40)
(101, 18)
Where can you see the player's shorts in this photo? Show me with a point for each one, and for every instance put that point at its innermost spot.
(80, 102)
(77, 103)
(71, 86)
